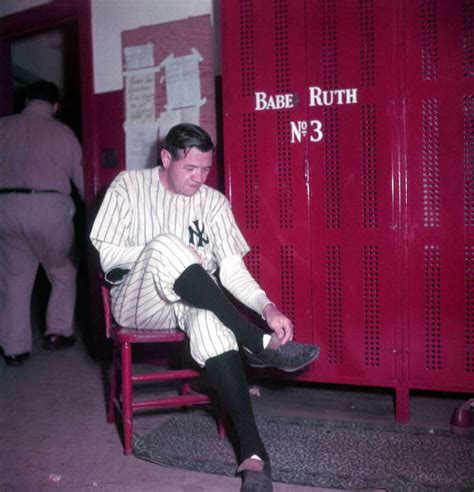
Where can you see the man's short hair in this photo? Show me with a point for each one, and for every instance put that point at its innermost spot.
(43, 90)
(184, 137)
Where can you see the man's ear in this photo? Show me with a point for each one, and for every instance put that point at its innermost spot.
(55, 107)
(165, 158)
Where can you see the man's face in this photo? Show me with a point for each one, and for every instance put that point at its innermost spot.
(186, 175)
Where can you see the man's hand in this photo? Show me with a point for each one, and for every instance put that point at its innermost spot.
(279, 323)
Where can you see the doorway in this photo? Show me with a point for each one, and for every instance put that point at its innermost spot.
(52, 55)
(53, 42)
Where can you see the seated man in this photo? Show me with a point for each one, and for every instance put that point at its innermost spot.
(161, 233)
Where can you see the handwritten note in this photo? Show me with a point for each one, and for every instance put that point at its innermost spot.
(140, 98)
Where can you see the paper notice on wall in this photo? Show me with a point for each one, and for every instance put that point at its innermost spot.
(168, 119)
(190, 115)
(140, 98)
(183, 84)
(141, 145)
(140, 56)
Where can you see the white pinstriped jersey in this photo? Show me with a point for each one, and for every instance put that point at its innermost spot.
(137, 208)
(138, 217)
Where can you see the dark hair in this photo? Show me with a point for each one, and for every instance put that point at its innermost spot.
(185, 136)
(43, 90)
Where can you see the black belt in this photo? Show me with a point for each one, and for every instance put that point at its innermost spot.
(26, 190)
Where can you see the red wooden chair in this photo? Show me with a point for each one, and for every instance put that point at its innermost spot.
(124, 339)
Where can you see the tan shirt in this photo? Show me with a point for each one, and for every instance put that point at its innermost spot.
(37, 151)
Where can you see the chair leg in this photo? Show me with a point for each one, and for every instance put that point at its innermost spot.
(185, 388)
(113, 388)
(127, 413)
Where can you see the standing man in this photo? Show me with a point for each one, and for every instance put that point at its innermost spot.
(39, 157)
(161, 234)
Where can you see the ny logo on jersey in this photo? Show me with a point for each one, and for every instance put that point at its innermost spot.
(198, 233)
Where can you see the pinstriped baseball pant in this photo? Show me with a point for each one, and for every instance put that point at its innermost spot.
(146, 299)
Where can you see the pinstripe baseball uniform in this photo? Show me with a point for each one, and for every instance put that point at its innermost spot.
(156, 234)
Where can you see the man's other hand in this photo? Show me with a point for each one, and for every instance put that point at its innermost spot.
(279, 323)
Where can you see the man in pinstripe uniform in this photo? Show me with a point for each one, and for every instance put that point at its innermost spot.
(161, 234)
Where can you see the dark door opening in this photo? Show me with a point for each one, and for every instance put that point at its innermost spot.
(53, 55)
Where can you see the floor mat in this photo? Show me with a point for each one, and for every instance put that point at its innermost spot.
(322, 453)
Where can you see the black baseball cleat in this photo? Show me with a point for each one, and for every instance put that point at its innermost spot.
(290, 357)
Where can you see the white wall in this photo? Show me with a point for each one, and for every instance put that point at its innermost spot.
(111, 17)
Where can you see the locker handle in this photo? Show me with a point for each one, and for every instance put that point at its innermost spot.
(306, 175)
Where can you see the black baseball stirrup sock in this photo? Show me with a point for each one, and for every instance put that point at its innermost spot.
(227, 375)
(196, 287)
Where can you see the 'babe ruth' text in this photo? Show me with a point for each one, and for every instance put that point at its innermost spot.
(317, 97)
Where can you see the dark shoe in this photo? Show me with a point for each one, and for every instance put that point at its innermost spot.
(289, 357)
(462, 420)
(16, 360)
(256, 476)
(58, 342)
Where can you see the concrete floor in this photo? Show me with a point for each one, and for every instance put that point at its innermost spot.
(55, 435)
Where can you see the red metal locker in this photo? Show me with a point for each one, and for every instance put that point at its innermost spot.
(355, 220)
(265, 176)
(348, 132)
(440, 160)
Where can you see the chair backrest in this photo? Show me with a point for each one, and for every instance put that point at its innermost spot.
(105, 293)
